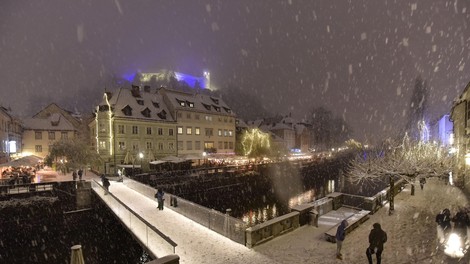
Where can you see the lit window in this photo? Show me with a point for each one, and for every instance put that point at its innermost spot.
(197, 131)
(102, 144)
(189, 130)
(230, 133)
(122, 145)
(180, 130)
(220, 132)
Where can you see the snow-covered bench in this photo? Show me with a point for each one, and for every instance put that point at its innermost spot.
(353, 221)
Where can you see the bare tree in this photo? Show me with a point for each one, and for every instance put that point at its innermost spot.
(406, 159)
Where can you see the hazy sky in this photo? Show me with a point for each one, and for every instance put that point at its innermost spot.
(358, 58)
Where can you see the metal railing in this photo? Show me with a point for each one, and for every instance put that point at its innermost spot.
(157, 243)
(27, 188)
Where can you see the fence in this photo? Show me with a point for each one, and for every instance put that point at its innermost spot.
(156, 243)
(27, 188)
(223, 224)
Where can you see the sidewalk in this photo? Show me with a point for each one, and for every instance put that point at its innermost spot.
(411, 232)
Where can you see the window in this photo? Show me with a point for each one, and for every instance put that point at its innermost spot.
(220, 119)
(230, 145)
(189, 145)
(171, 146)
(102, 126)
(221, 144)
(149, 131)
(197, 131)
(230, 133)
(196, 116)
(120, 129)
(225, 119)
(160, 145)
(180, 145)
(225, 145)
(208, 118)
(179, 115)
(38, 135)
(135, 146)
(208, 145)
(38, 148)
(225, 132)
(191, 104)
(209, 132)
(51, 135)
(189, 131)
(220, 132)
(135, 130)
(102, 144)
(122, 145)
(149, 145)
(170, 131)
(197, 145)
(180, 130)
(188, 115)
(64, 135)
(160, 131)
(140, 102)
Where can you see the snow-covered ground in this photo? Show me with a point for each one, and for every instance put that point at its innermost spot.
(411, 232)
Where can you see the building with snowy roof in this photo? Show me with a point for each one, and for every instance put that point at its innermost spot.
(138, 125)
(42, 130)
(10, 135)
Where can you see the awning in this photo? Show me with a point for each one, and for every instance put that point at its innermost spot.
(156, 162)
(24, 161)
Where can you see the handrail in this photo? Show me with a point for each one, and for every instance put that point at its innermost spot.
(152, 227)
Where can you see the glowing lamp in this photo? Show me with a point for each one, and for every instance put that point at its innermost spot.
(467, 159)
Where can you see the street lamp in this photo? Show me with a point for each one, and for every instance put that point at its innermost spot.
(141, 156)
(204, 154)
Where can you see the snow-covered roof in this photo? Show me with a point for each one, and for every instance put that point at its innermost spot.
(55, 121)
(146, 105)
(197, 102)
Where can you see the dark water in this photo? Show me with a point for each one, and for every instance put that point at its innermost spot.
(268, 193)
(35, 230)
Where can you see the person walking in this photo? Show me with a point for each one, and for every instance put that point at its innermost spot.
(422, 181)
(160, 198)
(74, 175)
(377, 238)
(340, 236)
(80, 174)
(443, 224)
(106, 185)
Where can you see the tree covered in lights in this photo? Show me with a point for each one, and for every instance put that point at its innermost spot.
(406, 159)
(71, 154)
(255, 143)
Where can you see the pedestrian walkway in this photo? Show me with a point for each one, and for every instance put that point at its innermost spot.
(411, 231)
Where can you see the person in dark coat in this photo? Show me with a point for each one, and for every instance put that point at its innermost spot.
(461, 222)
(422, 181)
(340, 236)
(160, 198)
(80, 174)
(377, 238)
(106, 184)
(443, 224)
(74, 175)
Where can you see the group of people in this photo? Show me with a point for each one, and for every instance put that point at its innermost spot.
(377, 239)
(444, 218)
(78, 173)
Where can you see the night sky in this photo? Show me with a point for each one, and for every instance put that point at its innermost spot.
(357, 58)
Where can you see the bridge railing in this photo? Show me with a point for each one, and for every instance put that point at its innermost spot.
(27, 188)
(223, 224)
(157, 243)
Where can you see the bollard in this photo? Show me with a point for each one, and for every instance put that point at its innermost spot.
(77, 255)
